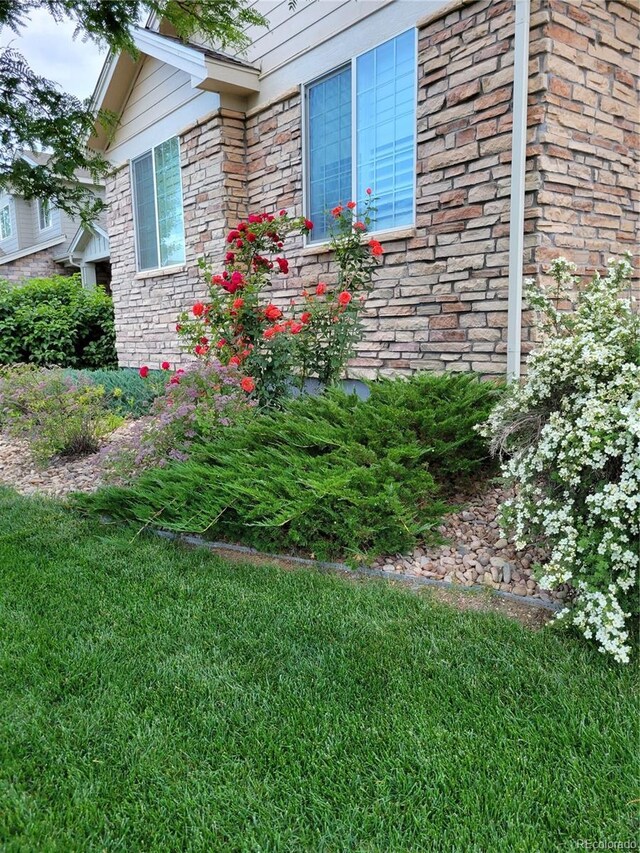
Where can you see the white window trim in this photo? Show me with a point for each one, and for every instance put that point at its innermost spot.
(354, 170)
(48, 219)
(7, 207)
(146, 273)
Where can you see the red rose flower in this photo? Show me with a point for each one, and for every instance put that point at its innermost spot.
(344, 298)
(247, 384)
(254, 218)
(198, 309)
(237, 278)
(351, 205)
(237, 304)
(368, 191)
(144, 371)
(165, 365)
(359, 226)
(239, 244)
(336, 211)
(269, 333)
(283, 212)
(308, 224)
(201, 349)
(272, 312)
(250, 237)
(230, 287)
(220, 343)
(296, 328)
(229, 257)
(376, 248)
(242, 226)
(283, 263)
(204, 340)
(233, 235)
(175, 380)
(321, 288)
(234, 360)
(178, 327)
(305, 317)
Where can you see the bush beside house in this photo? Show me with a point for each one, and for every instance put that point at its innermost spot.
(55, 321)
(570, 440)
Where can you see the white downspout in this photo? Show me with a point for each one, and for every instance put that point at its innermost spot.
(518, 170)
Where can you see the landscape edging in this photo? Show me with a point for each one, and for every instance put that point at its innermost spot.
(361, 571)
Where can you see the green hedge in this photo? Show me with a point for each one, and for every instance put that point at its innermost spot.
(334, 475)
(55, 321)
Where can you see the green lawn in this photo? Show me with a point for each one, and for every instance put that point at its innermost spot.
(157, 698)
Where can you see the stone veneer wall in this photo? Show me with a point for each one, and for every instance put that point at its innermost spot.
(38, 265)
(147, 305)
(440, 300)
(440, 297)
(587, 139)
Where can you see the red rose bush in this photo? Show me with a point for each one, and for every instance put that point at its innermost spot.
(239, 326)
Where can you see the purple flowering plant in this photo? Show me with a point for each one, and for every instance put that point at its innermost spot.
(195, 403)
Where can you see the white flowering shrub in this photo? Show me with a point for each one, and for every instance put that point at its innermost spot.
(569, 439)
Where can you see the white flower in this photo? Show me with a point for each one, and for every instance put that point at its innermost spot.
(577, 476)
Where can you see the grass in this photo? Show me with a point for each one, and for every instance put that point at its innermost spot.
(157, 698)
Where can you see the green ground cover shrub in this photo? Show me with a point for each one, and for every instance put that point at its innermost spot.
(332, 475)
(126, 392)
(58, 414)
(55, 321)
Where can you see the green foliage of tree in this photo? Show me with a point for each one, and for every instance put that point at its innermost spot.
(35, 114)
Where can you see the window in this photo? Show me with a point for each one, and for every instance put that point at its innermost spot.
(5, 222)
(360, 126)
(157, 202)
(45, 220)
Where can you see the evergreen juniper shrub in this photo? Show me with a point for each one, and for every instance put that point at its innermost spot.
(332, 475)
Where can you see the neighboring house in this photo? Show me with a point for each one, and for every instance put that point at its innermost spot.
(417, 100)
(38, 240)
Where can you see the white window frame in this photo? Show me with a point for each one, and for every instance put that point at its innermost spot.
(45, 214)
(155, 204)
(309, 240)
(7, 207)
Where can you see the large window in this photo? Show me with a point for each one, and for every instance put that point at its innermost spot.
(360, 131)
(5, 222)
(157, 201)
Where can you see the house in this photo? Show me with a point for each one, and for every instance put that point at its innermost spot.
(496, 135)
(37, 239)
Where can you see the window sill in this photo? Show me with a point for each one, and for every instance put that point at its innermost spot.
(160, 271)
(381, 236)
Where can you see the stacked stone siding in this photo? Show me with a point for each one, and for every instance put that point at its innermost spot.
(37, 265)
(440, 299)
(587, 141)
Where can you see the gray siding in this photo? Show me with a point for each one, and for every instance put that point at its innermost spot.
(321, 35)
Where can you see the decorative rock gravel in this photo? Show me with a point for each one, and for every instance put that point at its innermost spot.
(476, 553)
(62, 476)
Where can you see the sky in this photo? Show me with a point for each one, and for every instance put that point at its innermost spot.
(52, 52)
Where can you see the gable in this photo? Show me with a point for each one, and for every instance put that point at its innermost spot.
(162, 101)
